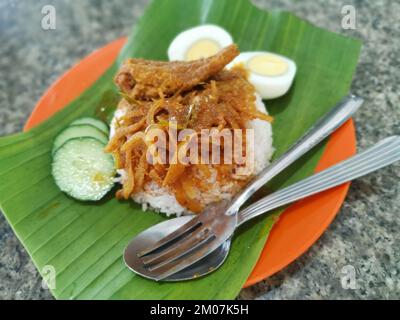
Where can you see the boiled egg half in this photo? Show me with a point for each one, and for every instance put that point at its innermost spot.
(271, 74)
(199, 42)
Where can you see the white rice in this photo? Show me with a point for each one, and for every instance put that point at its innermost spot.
(162, 200)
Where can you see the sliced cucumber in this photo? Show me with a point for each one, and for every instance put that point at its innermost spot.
(83, 170)
(79, 131)
(93, 122)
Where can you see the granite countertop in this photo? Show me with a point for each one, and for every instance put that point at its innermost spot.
(364, 236)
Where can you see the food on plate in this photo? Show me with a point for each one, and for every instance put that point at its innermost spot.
(198, 42)
(207, 86)
(144, 79)
(271, 74)
(78, 131)
(80, 166)
(185, 95)
(93, 122)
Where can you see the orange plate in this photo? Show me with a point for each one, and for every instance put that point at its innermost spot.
(299, 226)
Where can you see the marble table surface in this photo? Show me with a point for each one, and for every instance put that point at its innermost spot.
(365, 235)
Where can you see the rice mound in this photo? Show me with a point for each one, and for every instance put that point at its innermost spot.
(162, 200)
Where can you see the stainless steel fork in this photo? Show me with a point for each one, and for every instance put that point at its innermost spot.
(196, 238)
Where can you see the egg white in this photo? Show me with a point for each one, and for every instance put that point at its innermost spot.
(186, 39)
(268, 87)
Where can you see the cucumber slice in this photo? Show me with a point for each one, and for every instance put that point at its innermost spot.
(93, 122)
(79, 131)
(83, 170)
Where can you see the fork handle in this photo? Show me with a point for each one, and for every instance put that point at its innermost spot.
(382, 154)
(323, 128)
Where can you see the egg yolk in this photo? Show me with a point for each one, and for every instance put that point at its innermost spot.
(268, 65)
(202, 49)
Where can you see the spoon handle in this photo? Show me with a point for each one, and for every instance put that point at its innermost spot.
(382, 154)
(323, 128)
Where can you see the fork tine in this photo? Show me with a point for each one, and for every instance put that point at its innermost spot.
(195, 254)
(187, 227)
(176, 250)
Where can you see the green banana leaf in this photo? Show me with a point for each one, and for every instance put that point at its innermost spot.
(84, 241)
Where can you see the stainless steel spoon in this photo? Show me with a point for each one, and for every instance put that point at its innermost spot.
(382, 154)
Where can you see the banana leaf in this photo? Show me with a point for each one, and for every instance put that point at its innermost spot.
(84, 241)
